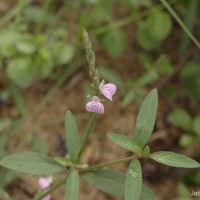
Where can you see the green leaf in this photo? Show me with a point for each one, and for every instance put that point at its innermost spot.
(146, 118)
(196, 125)
(189, 20)
(72, 137)
(26, 45)
(133, 182)
(181, 119)
(187, 140)
(72, 186)
(44, 63)
(114, 41)
(125, 142)
(190, 79)
(18, 99)
(112, 76)
(163, 65)
(147, 194)
(144, 38)
(102, 12)
(159, 25)
(134, 4)
(154, 30)
(64, 161)
(109, 181)
(4, 195)
(21, 71)
(63, 53)
(36, 14)
(31, 163)
(8, 37)
(112, 182)
(174, 160)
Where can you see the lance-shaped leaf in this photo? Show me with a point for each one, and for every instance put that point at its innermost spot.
(31, 163)
(133, 182)
(72, 186)
(109, 181)
(112, 182)
(174, 160)
(73, 142)
(146, 118)
(147, 194)
(125, 142)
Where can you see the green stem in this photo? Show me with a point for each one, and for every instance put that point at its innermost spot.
(87, 134)
(20, 7)
(54, 186)
(129, 19)
(44, 14)
(14, 12)
(177, 18)
(107, 164)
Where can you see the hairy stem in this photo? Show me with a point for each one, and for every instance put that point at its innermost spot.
(107, 164)
(87, 134)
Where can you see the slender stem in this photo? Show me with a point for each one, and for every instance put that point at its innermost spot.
(54, 186)
(129, 19)
(44, 14)
(106, 164)
(15, 12)
(20, 6)
(87, 134)
(183, 26)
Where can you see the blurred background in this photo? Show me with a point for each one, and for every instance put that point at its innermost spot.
(138, 46)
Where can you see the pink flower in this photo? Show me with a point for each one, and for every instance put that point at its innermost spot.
(95, 105)
(108, 89)
(45, 183)
(48, 197)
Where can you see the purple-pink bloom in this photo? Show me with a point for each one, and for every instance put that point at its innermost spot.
(45, 183)
(108, 89)
(48, 197)
(95, 105)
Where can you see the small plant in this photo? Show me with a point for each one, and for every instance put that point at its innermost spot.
(128, 185)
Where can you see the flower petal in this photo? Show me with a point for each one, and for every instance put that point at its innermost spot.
(109, 90)
(95, 106)
(48, 197)
(44, 182)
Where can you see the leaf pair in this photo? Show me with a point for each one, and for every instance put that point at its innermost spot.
(113, 182)
(143, 128)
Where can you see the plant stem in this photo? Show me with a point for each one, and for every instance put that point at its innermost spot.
(129, 19)
(44, 14)
(87, 134)
(54, 186)
(183, 26)
(106, 164)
